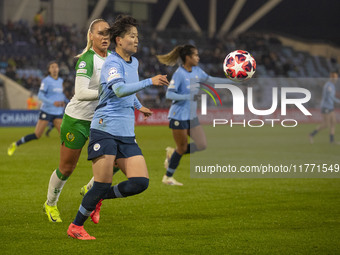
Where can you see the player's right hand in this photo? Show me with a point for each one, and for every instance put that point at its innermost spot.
(160, 80)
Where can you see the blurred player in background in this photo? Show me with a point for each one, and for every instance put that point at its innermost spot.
(52, 108)
(79, 112)
(327, 108)
(112, 128)
(68, 93)
(183, 120)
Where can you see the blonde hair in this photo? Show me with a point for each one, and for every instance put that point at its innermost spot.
(89, 42)
(171, 58)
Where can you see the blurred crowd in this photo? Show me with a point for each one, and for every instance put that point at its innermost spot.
(25, 51)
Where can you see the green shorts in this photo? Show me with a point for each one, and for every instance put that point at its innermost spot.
(73, 132)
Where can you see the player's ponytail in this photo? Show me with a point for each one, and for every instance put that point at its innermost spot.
(89, 42)
(173, 56)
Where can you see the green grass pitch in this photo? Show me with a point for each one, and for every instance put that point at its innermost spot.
(205, 216)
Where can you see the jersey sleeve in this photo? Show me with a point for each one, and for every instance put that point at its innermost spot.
(84, 67)
(43, 91)
(203, 75)
(137, 104)
(43, 86)
(113, 73)
(175, 82)
(173, 92)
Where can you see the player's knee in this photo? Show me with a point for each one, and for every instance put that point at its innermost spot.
(67, 169)
(136, 185)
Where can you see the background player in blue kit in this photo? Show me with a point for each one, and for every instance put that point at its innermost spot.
(52, 108)
(182, 113)
(112, 134)
(327, 108)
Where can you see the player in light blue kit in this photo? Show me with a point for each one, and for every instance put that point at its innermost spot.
(327, 108)
(182, 113)
(112, 134)
(52, 108)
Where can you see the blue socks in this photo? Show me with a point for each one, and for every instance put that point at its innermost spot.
(313, 133)
(191, 148)
(175, 159)
(26, 139)
(132, 186)
(173, 164)
(90, 200)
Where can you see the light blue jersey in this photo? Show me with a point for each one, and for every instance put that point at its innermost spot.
(119, 83)
(183, 86)
(50, 91)
(328, 96)
(181, 83)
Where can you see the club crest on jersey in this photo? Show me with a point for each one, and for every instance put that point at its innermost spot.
(82, 64)
(113, 74)
(96, 147)
(70, 137)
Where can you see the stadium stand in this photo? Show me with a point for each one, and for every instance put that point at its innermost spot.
(25, 51)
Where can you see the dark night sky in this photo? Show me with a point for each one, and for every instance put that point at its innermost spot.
(302, 19)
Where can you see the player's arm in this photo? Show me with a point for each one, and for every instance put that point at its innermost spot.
(204, 77)
(176, 96)
(217, 80)
(173, 93)
(82, 91)
(42, 92)
(137, 103)
(84, 72)
(116, 82)
(146, 111)
(332, 95)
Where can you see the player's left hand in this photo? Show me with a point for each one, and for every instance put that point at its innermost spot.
(146, 111)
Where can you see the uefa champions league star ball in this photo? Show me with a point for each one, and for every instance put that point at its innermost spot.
(239, 65)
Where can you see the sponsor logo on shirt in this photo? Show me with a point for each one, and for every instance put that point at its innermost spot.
(82, 71)
(82, 64)
(60, 90)
(113, 74)
(172, 84)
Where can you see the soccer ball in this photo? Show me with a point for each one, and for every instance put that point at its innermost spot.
(239, 65)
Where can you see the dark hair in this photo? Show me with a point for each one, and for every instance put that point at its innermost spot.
(181, 52)
(49, 64)
(121, 26)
